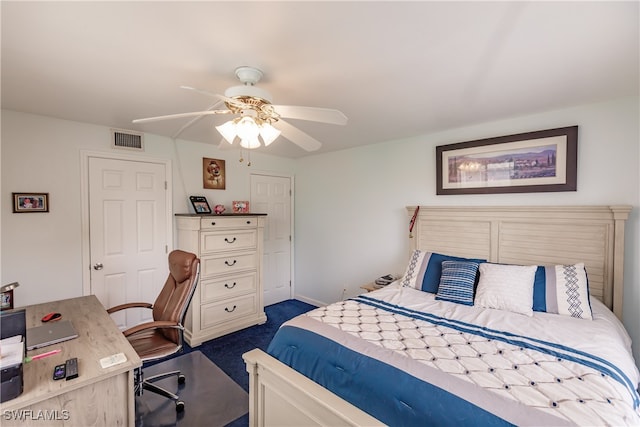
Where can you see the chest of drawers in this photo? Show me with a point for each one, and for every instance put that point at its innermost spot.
(229, 294)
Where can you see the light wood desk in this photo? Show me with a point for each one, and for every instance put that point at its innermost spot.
(98, 397)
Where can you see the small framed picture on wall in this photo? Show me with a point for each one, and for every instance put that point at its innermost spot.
(213, 174)
(30, 202)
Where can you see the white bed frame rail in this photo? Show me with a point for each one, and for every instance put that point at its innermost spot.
(280, 396)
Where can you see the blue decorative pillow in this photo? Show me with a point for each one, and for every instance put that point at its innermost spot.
(457, 281)
(562, 289)
(425, 268)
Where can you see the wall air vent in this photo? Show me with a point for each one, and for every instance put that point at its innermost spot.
(127, 139)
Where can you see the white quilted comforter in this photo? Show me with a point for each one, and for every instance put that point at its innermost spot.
(571, 371)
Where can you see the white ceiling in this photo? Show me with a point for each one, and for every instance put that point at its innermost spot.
(396, 69)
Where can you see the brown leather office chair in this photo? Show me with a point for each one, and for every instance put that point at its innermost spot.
(163, 336)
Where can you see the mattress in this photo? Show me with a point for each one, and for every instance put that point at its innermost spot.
(408, 359)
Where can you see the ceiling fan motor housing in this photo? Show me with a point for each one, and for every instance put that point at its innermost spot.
(249, 76)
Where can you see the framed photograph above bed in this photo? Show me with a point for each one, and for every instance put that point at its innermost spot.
(529, 162)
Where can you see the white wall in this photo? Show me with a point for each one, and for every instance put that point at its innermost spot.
(43, 251)
(351, 224)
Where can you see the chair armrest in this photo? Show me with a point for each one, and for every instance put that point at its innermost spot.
(152, 325)
(129, 305)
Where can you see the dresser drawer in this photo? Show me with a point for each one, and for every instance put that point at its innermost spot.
(217, 241)
(212, 223)
(212, 265)
(231, 286)
(224, 311)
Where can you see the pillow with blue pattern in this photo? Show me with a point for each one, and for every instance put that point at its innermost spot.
(425, 268)
(562, 289)
(457, 282)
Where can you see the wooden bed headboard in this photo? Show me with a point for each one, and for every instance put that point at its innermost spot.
(533, 235)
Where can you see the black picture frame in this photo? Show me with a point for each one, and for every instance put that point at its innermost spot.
(531, 162)
(30, 202)
(200, 204)
(6, 300)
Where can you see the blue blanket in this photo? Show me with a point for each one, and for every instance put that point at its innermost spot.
(408, 368)
(383, 391)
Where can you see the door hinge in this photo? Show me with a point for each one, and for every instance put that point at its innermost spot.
(166, 249)
(165, 185)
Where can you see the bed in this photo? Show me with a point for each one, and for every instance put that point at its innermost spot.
(478, 331)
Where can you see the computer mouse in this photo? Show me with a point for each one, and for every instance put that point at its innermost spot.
(51, 317)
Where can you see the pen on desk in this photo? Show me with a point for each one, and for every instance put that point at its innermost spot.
(41, 356)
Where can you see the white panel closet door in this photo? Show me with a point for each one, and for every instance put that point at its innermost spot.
(128, 237)
(272, 195)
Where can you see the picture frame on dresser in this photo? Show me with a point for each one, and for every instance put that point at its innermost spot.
(240, 206)
(6, 300)
(539, 161)
(200, 204)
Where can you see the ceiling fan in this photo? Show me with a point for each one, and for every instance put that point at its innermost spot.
(258, 121)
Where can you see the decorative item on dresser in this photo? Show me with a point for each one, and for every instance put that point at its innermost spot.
(229, 295)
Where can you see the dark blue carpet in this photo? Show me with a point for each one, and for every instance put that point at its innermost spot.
(226, 352)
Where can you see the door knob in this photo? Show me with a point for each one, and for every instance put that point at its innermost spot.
(98, 266)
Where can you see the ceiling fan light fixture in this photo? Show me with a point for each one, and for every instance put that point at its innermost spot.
(268, 133)
(247, 128)
(250, 143)
(228, 131)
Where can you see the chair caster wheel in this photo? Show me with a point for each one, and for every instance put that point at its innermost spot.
(181, 379)
(179, 406)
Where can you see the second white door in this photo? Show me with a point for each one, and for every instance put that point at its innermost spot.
(272, 195)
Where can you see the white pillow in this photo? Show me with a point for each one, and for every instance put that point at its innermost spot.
(506, 287)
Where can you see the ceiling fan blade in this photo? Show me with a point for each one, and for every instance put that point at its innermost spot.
(204, 92)
(314, 114)
(181, 115)
(232, 101)
(195, 119)
(297, 136)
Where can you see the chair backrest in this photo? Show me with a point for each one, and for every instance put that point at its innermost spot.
(175, 296)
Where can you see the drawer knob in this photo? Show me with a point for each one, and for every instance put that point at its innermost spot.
(226, 285)
(229, 241)
(249, 222)
(231, 264)
(230, 311)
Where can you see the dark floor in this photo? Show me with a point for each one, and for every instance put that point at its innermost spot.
(226, 352)
(211, 398)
